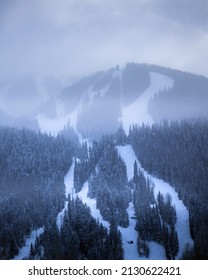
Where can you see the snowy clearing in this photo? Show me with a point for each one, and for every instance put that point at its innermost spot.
(60, 217)
(137, 112)
(52, 126)
(92, 204)
(69, 185)
(25, 250)
(69, 190)
(130, 234)
(130, 250)
(182, 224)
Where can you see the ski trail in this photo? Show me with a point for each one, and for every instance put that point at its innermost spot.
(69, 190)
(25, 250)
(182, 224)
(130, 234)
(92, 204)
(130, 250)
(137, 112)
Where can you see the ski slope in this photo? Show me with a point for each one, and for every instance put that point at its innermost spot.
(128, 234)
(130, 250)
(137, 112)
(69, 187)
(25, 250)
(54, 125)
(92, 204)
(182, 224)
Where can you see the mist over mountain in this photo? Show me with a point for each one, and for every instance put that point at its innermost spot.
(105, 166)
(104, 98)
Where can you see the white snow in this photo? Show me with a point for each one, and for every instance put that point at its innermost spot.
(130, 234)
(60, 217)
(25, 250)
(182, 224)
(157, 251)
(55, 125)
(92, 204)
(137, 112)
(69, 180)
(69, 190)
(52, 126)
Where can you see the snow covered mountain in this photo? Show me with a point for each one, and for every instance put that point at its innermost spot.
(132, 94)
(106, 146)
(136, 93)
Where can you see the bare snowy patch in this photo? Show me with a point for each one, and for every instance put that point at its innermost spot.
(25, 250)
(137, 112)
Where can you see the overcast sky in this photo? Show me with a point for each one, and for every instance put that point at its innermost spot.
(82, 36)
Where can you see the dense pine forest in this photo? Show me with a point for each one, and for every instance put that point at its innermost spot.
(32, 166)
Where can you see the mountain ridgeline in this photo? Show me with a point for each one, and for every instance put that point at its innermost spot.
(104, 95)
(101, 98)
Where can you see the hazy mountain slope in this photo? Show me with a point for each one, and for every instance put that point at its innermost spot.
(135, 93)
(137, 111)
(188, 98)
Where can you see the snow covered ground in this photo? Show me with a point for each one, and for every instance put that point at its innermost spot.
(69, 190)
(92, 204)
(55, 125)
(25, 250)
(182, 224)
(52, 126)
(69, 185)
(137, 112)
(130, 234)
(130, 250)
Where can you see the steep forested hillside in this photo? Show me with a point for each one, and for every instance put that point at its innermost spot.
(187, 98)
(178, 153)
(32, 166)
(98, 99)
(160, 112)
(81, 238)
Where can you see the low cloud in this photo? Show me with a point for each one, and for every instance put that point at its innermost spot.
(79, 37)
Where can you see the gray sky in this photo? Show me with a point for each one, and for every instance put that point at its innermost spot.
(82, 36)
